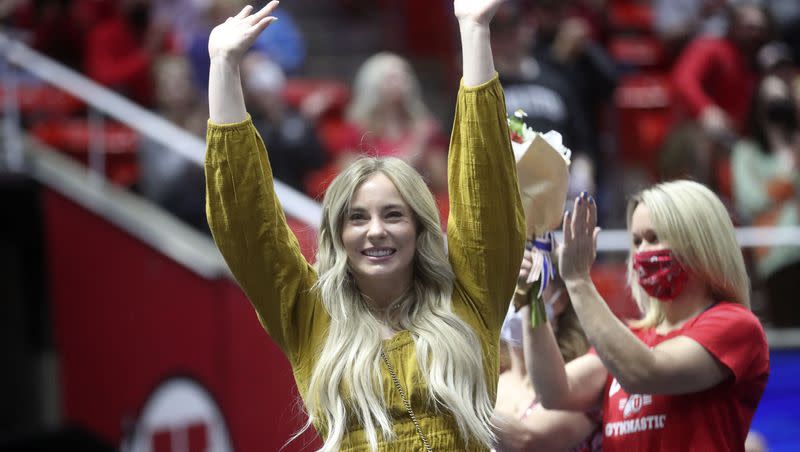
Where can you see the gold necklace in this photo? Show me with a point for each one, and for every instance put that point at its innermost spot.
(406, 402)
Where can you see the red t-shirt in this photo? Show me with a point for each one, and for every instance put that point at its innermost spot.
(712, 71)
(715, 419)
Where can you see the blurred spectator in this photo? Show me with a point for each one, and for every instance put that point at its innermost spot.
(678, 21)
(177, 99)
(166, 177)
(787, 19)
(595, 14)
(766, 182)
(543, 91)
(291, 137)
(54, 29)
(185, 16)
(563, 42)
(776, 59)
(282, 42)
(686, 154)
(714, 78)
(121, 50)
(387, 117)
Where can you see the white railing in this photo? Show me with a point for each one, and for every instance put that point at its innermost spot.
(161, 131)
(109, 103)
(192, 251)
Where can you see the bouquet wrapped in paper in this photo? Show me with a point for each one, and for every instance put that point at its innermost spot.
(543, 172)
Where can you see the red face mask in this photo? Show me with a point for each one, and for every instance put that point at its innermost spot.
(660, 274)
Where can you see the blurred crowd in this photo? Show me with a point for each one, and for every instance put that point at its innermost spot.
(640, 90)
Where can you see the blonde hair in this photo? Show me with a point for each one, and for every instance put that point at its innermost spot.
(700, 233)
(570, 337)
(346, 382)
(367, 87)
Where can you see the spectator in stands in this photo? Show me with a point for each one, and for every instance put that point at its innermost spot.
(122, 48)
(787, 21)
(294, 146)
(53, 28)
(699, 357)
(522, 423)
(562, 41)
(392, 338)
(596, 16)
(543, 92)
(388, 118)
(166, 177)
(678, 21)
(710, 69)
(284, 45)
(766, 182)
(563, 44)
(776, 59)
(186, 17)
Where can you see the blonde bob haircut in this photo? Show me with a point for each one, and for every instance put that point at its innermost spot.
(370, 78)
(345, 390)
(694, 222)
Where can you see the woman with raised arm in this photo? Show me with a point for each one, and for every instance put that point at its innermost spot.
(690, 374)
(383, 333)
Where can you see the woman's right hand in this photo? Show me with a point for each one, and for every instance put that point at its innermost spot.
(232, 38)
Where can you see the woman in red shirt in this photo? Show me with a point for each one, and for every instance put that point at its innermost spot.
(690, 374)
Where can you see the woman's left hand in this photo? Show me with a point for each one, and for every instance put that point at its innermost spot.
(479, 12)
(577, 253)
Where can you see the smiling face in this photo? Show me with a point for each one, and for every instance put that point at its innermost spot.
(379, 233)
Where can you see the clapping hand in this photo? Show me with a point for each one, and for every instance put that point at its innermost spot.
(232, 38)
(577, 253)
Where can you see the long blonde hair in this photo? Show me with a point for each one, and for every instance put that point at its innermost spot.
(695, 223)
(346, 383)
(571, 340)
(570, 337)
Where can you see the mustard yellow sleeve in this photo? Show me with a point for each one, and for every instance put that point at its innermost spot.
(486, 227)
(249, 227)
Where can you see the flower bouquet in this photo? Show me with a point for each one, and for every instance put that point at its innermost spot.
(543, 173)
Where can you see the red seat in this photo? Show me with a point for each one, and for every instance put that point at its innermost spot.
(639, 51)
(71, 136)
(644, 117)
(44, 100)
(298, 89)
(631, 16)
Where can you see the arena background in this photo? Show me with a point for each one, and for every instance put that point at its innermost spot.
(121, 326)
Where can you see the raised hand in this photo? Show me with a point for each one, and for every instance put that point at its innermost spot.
(232, 38)
(479, 12)
(579, 250)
